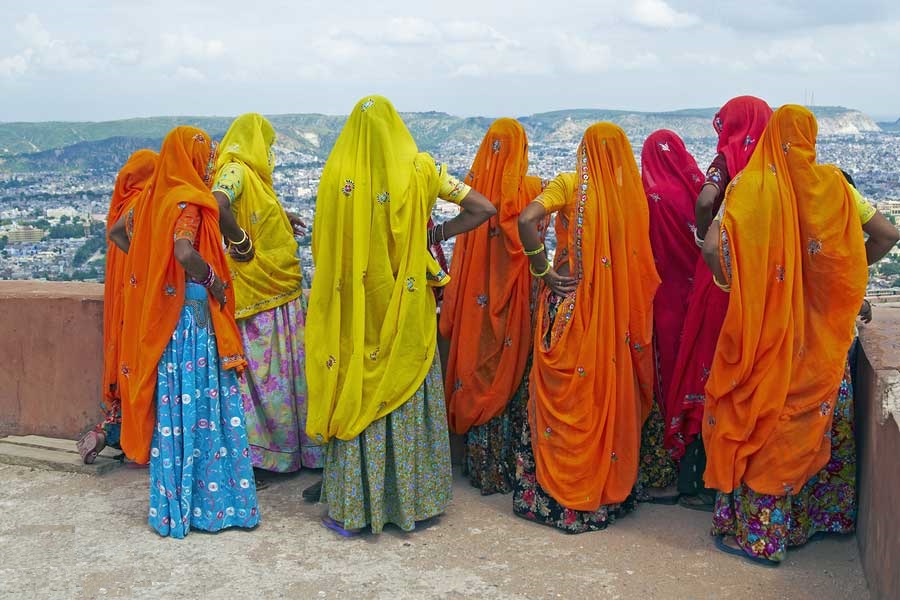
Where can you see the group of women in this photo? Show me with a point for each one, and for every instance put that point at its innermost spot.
(686, 343)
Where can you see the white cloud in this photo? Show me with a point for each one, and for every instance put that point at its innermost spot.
(658, 14)
(11, 66)
(184, 73)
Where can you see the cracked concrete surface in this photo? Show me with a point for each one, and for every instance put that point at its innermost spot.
(77, 536)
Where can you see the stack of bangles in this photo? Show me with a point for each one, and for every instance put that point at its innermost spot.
(432, 235)
(246, 238)
(539, 250)
(210, 278)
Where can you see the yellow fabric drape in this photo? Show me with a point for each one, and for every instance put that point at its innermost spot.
(371, 327)
(273, 277)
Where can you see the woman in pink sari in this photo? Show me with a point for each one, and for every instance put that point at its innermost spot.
(739, 123)
(672, 181)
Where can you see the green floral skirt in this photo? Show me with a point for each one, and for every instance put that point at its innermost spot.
(397, 470)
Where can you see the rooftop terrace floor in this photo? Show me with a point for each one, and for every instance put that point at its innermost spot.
(64, 535)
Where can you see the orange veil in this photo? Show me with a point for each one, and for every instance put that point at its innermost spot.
(592, 385)
(792, 237)
(130, 182)
(155, 282)
(486, 313)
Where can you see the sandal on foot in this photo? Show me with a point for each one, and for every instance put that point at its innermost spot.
(699, 502)
(91, 445)
(721, 545)
(313, 493)
(336, 527)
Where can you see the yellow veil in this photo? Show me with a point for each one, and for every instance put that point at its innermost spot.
(273, 277)
(371, 327)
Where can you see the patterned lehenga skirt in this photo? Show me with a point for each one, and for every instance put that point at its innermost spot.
(200, 471)
(397, 470)
(273, 389)
(765, 526)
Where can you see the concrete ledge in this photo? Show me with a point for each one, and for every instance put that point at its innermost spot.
(51, 358)
(877, 400)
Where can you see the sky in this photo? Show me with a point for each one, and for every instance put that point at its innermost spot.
(105, 59)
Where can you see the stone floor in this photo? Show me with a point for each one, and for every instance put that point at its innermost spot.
(66, 535)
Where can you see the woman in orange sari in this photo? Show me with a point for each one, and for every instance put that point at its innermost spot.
(181, 350)
(591, 384)
(130, 182)
(486, 313)
(778, 425)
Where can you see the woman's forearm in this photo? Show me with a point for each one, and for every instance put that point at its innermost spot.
(227, 223)
(191, 260)
(703, 209)
(528, 222)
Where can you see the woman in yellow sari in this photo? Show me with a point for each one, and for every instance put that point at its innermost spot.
(376, 397)
(778, 425)
(270, 307)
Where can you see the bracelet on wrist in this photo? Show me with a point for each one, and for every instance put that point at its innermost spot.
(534, 252)
(243, 239)
(210, 277)
(244, 252)
(699, 240)
(542, 273)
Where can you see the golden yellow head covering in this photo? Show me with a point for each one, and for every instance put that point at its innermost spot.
(273, 277)
(371, 326)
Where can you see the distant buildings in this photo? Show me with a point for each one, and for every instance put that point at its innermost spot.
(24, 235)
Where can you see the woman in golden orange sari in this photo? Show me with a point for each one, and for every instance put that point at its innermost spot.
(181, 350)
(486, 313)
(130, 182)
(778, 424)
(591, 384)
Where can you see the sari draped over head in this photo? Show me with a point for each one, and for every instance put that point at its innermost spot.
(155, 281)
(130, 182)
(792, 242)
(273, 277)
(740, 124)
(592, 385)
(371, 329)
(490, 340)
(672, 181)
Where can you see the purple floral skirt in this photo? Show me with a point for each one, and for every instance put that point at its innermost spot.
(765, 526)
(273, 389)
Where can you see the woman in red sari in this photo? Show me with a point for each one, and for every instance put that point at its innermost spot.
(671, 181)
(740, 124)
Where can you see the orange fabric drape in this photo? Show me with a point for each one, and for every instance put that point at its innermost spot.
(592, 385)
(155, 282)
(130, 182)
(486, 313)
(793, 239)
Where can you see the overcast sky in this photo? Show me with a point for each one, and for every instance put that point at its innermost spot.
(105, 59)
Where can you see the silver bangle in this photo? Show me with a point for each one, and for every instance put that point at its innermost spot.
(698, 239)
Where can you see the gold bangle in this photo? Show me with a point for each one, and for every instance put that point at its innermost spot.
(244, 239)
(247, 251)
(542, 273)
(534, 252)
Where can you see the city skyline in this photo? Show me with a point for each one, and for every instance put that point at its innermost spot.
(59, 61)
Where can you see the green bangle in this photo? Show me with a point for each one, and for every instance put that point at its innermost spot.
(542, 273)
(534, 252)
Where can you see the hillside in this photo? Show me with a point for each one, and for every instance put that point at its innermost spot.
(305, 138)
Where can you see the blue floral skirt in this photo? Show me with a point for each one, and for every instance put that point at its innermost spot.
(201, 475)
